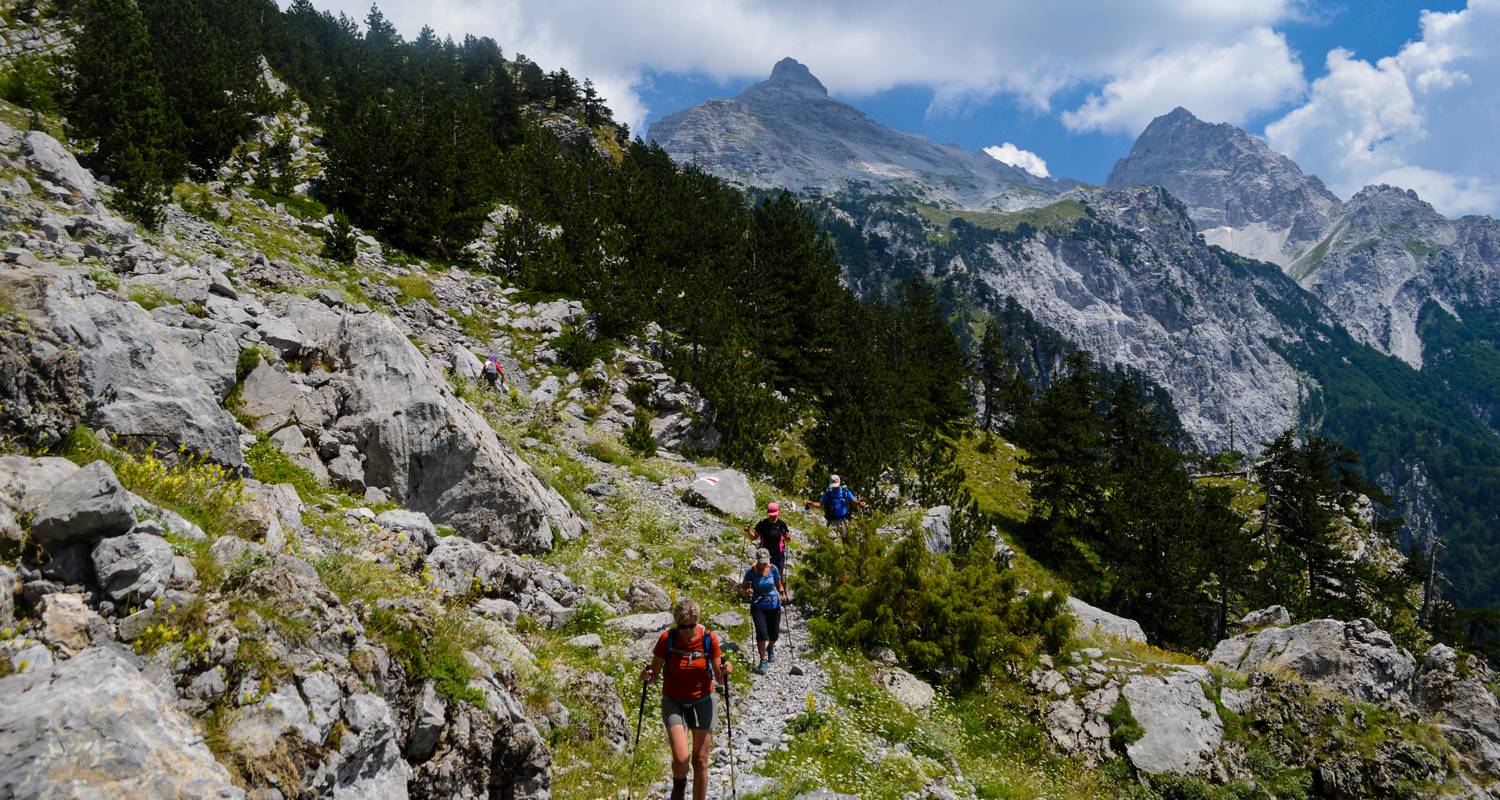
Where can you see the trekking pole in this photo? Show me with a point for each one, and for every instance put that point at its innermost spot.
(734, 791)
(636, 748)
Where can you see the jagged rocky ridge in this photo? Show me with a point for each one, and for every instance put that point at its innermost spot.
(787, 132)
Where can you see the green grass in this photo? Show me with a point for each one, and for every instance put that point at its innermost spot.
(1418, 248)
(1056, 216)
(990, 734)
(150, 297)
(994, 481)
(413, 287)
(208, 495)
(272, 465)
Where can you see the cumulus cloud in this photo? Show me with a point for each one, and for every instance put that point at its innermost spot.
(1016, 157)
(1423, 119)
(1219, 82)
(963, 49)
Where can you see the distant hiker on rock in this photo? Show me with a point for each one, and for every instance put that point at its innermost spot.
(690, 657)
(765, 588)
(774, 534)
(493, 371)
(837, 503)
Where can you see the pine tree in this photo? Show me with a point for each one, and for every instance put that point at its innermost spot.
(206, 54)
(338, 241)
(118, 109)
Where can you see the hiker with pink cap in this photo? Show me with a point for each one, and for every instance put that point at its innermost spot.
(774, 535)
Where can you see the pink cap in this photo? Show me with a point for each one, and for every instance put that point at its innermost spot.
(773, 508)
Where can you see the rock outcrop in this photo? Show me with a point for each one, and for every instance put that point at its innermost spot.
(1355, 658)
(1097, 621)
(95, 726)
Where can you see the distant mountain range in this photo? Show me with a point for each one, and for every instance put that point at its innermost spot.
(787, 132)
(1254, 296)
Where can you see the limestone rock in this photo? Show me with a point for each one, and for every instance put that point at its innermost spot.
(1466, 710)
(141, 380)
(642, 624)
(57, 164)
(8, 585)
(368, 763)
(936, 525)
(86, 506)
(1273, 616)
(268, 397)
(726, 491)
(93, 726)
(133, 568)
(1354, 658)
(1093, 620)
(908, 689)
(1181, 724)
(414, 524)
(643, 595)
(427, 723)
(430, 450)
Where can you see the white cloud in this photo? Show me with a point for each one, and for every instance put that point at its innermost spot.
(1016, 157)
(963, 49)
(1218, 82)
(1423, 119)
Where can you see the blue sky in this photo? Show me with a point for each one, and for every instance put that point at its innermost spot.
(1355, 91)
(1372, 29)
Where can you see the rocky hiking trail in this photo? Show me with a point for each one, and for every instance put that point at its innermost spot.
(774, 700)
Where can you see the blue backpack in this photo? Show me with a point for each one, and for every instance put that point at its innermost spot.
(838, 503)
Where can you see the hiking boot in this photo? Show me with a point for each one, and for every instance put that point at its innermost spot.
(771, 653)
(760, 669)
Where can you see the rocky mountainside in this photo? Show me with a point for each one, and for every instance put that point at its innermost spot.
(1242, 195)
(787, 132)
(1381, 261)
(288, 544)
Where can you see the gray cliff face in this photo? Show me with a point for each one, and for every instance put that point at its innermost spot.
(1242, 195)
(1122, 274)
(787, 132)
(1389, 256)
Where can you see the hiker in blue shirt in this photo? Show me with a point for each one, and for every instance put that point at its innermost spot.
(764, 587)
(837, 503)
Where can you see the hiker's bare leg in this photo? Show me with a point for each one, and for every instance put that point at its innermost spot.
(702, 741)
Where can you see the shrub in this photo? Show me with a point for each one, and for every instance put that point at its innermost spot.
(576, 348)
(953, 622)
(248, 360)
(1123, 727)
(338, 242)
(639, 436)
(639, 392)
(32, 82)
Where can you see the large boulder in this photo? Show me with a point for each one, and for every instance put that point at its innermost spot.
(86, 506)
(267, 397)
(1181, 724)
(141, 381)
(937, 524)
(907, 689)
(133, 568)
(726, 491)
(429, 450)
(1354, 658)
(55, 163)
(94, 726)
(1097, 621)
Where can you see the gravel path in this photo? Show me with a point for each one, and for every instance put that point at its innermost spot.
(774, 699)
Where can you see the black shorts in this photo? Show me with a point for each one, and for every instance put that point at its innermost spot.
(767, 623)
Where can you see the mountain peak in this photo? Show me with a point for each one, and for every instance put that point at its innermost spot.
(792, 72)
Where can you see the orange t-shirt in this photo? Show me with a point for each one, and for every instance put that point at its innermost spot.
(687, 673)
